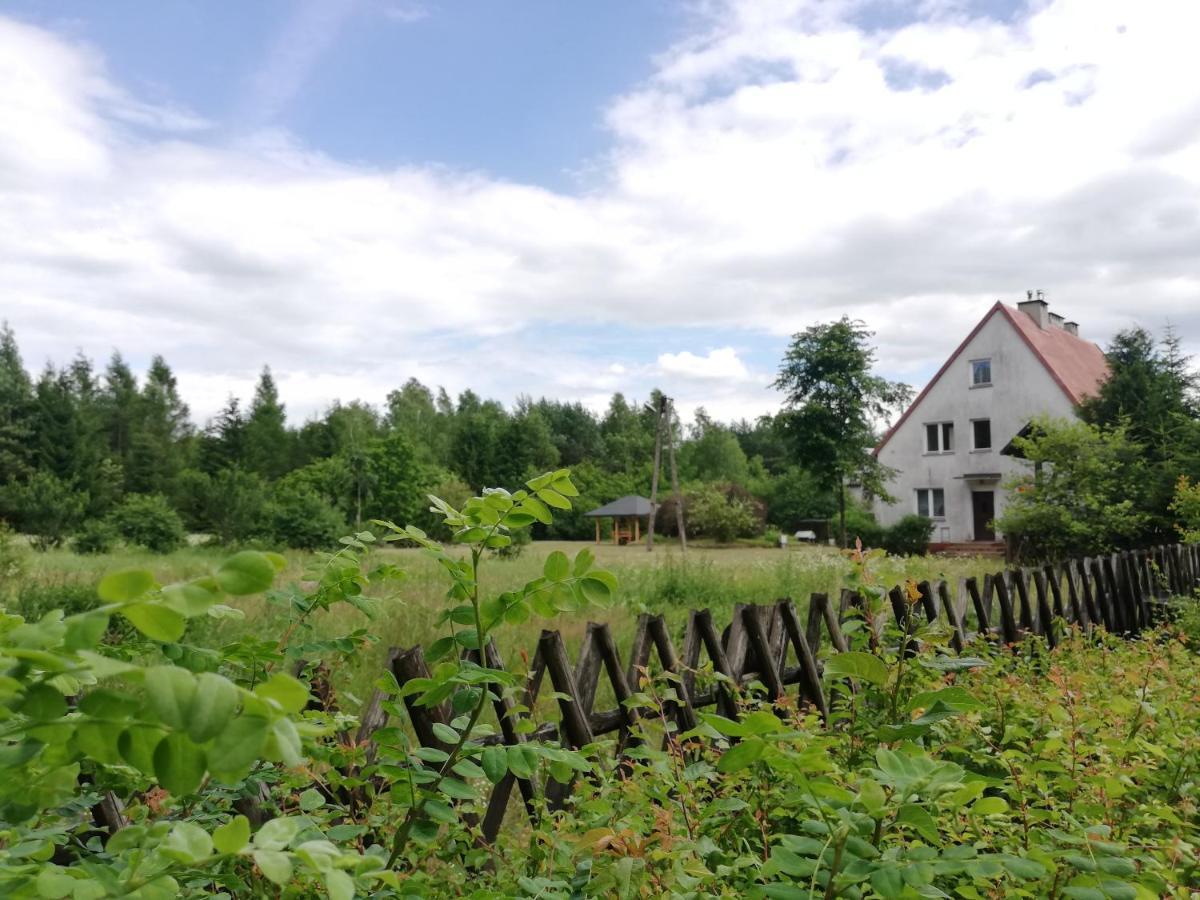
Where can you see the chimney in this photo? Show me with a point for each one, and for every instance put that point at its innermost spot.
(1071, 328)
(1036, 308)
(1056, 320)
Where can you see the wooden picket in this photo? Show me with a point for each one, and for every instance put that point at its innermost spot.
(1123, 593)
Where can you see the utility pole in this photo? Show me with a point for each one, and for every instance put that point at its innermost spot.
(675, 479)
(662, 404)
(665, 423)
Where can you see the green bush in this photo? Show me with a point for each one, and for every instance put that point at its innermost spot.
(13, 561)
(299, 517)
(95, 537)
(45, 507)
(33, 599)
(149, 521)
(908, 537)
(861, 525)
(722, 514)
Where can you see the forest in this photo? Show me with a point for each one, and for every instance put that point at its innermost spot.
(89, 455)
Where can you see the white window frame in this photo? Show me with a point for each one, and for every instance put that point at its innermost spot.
(981, 384)
(975, 448)
(941, 433)
(931, 505)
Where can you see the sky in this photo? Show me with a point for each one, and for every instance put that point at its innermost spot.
(571, 199)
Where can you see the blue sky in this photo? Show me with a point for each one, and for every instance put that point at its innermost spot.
(568, 199)
(516, 90)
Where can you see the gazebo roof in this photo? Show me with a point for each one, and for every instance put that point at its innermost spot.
(632, 505)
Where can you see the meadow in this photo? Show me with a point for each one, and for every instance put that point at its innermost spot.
(666, 581)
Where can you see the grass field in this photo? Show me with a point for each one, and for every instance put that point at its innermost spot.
(666, 581)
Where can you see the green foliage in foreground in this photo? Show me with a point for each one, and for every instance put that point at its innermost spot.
(1033, 773)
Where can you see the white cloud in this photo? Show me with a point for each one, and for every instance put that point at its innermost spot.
(781, 167)
(720, 364)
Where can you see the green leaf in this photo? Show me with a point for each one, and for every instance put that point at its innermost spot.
(584, 560)
(988, 806)
(156, 621)
(125, 585)
(43, 703)
(739, 756)
(233, 836)
(1022, 867)
(187, 843)
(53, 883)
(238, 746)
(85, 630)
(170, 691)
(277, 833)
(248, 572)
(311, 799)
(857, 664)
(521, 761)
(553, 498)
(457, 790)
(887, 880)
(557, 566)
(872, 798)
(920, 819)
(495, 763)
(339, 885)
(288, 692)
(276, 866)
(179, 764)
(212, 708)
(137, 744)
(445, 733)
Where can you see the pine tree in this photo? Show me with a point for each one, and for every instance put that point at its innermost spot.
(162, 427)
(267, 441)
(223, 444)
(119, 409)
(16, 404)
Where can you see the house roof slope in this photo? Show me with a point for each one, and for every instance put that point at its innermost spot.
(1077, 366)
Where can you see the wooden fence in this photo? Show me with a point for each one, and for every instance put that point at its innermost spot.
(772, 645)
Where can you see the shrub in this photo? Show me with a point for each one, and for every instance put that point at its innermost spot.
(13, 560)
(861, 525)
(46, 508)
(300, 518)
(1186, 506)
(722, 513)
(33, 599)
(149, 521)
(95, 537)
(908, 537)
(234, 504)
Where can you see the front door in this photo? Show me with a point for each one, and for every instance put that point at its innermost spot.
(983, 510)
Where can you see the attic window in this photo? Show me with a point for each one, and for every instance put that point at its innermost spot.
(981, 372)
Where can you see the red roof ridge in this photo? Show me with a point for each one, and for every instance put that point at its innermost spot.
(1076, 365)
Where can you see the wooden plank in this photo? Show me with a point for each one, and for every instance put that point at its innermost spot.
(840, 644)
(737, 643)
(812, 628)
(958, 634)
(983, 612)
(928, 601)
(639, 653)
(810, 682)
(622, 691)
(684, 714)
(726, 699)
(410, 664)
(1045, 615)
(768, 668)
(1008, 623)
(1019, 587)
(587, 670)
(1079, 612)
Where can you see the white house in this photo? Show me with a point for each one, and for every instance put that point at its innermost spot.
(1015, 365)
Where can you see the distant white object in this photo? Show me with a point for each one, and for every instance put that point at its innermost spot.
(783, 542)
(808, 536)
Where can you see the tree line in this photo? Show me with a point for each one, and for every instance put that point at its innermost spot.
(90, 456)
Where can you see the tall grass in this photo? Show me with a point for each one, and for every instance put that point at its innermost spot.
(665, 582)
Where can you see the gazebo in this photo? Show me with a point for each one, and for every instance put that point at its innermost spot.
(620, 511)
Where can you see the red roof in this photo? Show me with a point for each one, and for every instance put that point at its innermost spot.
(1077, 366)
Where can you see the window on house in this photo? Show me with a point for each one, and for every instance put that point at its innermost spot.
(931, 503)
(939, 437)
(981, 372)
(981, 434)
